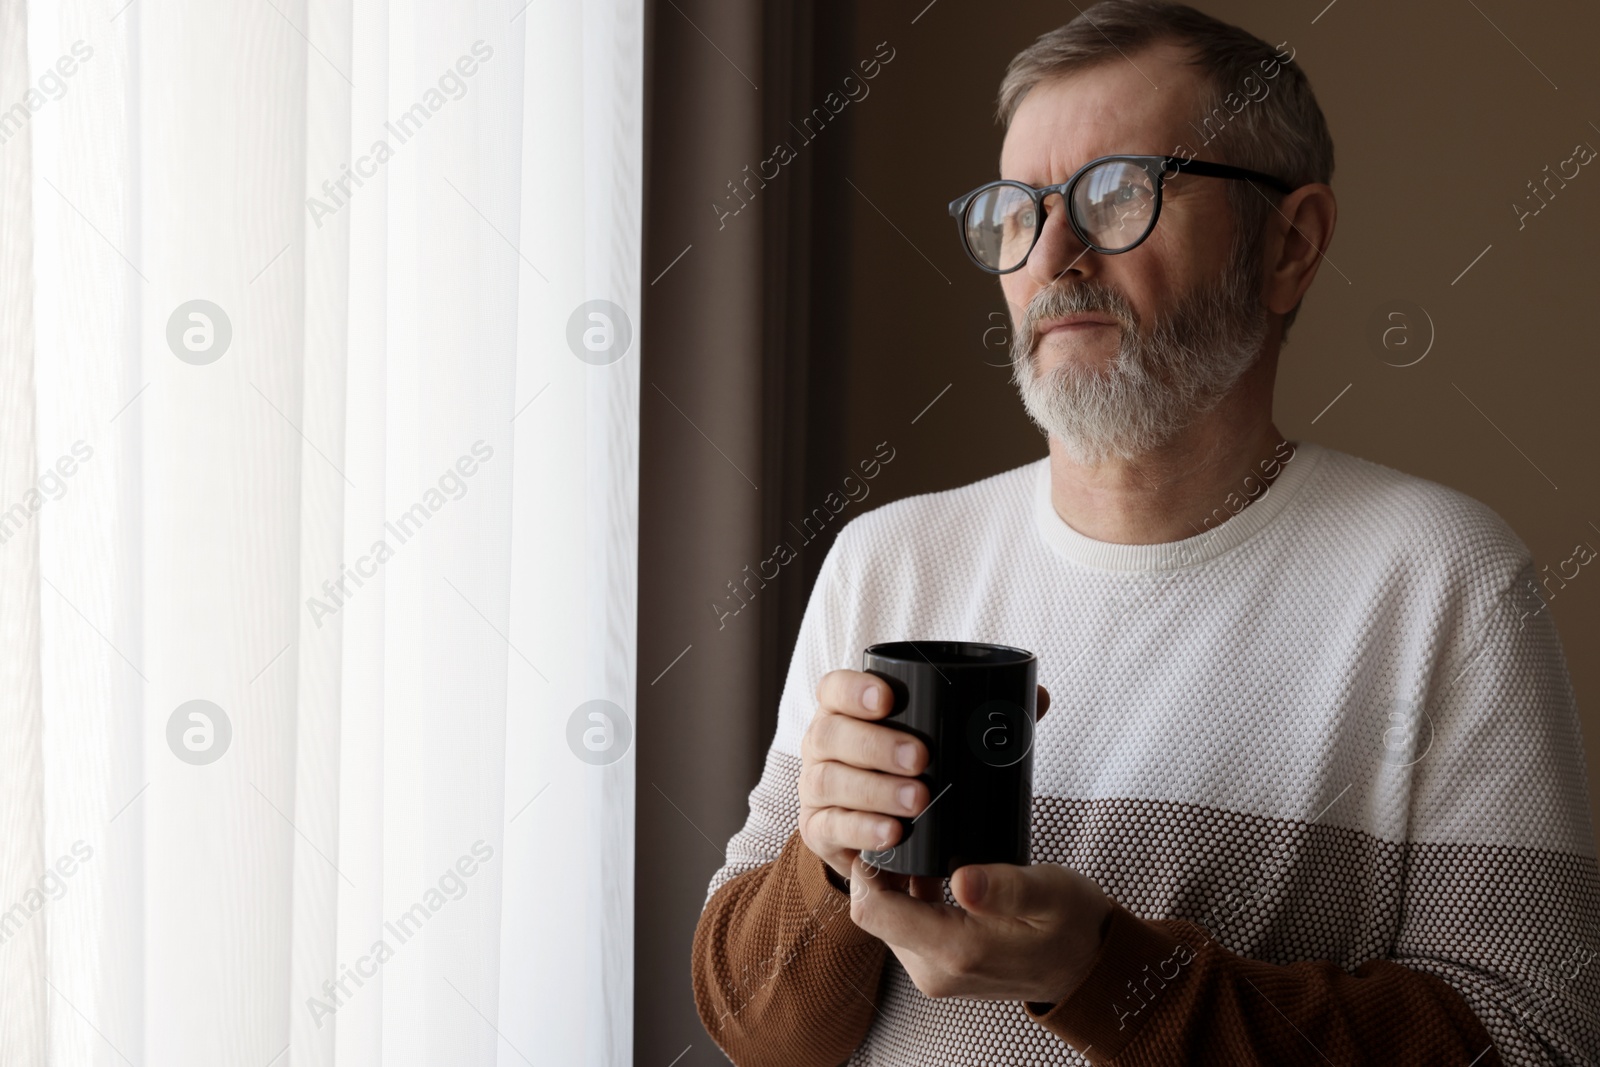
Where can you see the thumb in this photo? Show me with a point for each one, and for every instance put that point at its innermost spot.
(1043, 704)
(1006, 889)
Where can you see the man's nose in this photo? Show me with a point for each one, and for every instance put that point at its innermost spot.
(1059, 249)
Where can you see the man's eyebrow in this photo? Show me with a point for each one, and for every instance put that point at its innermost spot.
(1029, 177)
(1076, 166)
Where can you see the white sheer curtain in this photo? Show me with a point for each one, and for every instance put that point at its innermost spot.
(352, 460)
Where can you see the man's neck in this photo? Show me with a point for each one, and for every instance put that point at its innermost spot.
(1205, 475)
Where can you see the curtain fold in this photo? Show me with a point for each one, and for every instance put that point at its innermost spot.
(331, 311)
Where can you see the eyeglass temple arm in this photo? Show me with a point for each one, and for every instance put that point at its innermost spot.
(1222, 170)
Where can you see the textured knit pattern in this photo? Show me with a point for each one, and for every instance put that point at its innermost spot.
(1327, 749)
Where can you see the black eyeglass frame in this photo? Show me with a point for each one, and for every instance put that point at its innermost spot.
(1160, 168)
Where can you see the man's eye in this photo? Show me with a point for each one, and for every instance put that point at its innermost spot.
(1020, 221)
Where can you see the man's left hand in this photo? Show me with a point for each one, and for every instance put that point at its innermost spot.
(1021, 933)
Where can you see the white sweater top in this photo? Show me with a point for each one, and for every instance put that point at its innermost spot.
(1336, 726)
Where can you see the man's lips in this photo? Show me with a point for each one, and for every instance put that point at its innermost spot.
(1075, 322)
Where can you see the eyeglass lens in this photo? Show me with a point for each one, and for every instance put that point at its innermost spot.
(1113, 205)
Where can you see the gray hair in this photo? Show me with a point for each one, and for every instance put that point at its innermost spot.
(1282, 133)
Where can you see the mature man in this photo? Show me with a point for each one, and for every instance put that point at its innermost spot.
(1310, 787)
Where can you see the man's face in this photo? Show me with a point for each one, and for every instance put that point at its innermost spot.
(1180, 315)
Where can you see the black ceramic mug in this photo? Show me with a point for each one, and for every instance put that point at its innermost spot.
(973, 705)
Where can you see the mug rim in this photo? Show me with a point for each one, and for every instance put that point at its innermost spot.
(908, 652)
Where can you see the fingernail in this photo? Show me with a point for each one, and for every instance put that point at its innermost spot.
(884, 830)
(977, 883)
(906, 755)
(908, 796)
(871, 697)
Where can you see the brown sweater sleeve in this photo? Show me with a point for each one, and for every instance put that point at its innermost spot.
(1163, 992)
(783, 977)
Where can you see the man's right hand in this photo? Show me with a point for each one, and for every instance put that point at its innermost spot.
(856, 774)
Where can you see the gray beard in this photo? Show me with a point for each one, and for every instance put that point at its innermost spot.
(1154, 387)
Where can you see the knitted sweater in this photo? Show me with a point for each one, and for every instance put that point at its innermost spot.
(1324, 757)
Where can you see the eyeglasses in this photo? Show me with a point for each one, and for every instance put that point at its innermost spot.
(1113, 203)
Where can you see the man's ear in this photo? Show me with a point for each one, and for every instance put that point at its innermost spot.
(1304, 223)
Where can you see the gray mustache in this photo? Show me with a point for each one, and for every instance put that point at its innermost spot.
(1052, 303)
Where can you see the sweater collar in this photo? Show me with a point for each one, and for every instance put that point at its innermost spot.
(1172, 555)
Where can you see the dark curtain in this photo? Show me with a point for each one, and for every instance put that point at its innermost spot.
(741, 423)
